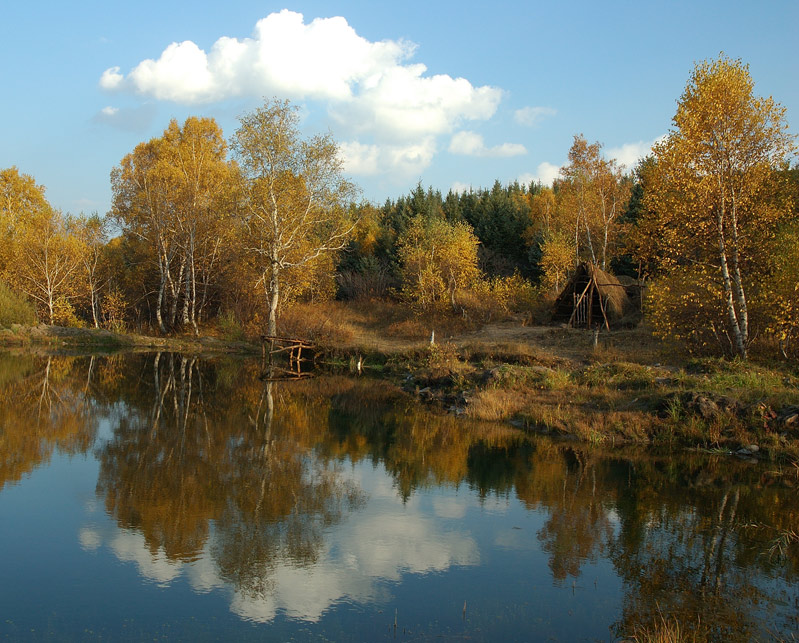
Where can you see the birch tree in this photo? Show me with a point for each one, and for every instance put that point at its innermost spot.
(48, 258)
(141, 206)
(171, 193)
(20, 201)
(438, 258)
(593, 194)
(713, 177)
(295, 196)
(195, 156)
(92, 232)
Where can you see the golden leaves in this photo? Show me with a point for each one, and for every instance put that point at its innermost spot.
(437, 258)
(710, 200)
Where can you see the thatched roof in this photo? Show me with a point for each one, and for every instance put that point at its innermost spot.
(591, 298)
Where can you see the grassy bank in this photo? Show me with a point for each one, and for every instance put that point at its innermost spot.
(622, 391)
(84, 339)
(630, 388)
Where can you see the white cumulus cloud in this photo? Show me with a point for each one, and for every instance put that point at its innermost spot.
(402, 160)
(449, 507)
(322, 59)
(546, 173)
(130, 546)
(89, 538)
(360, 560)
(630, 153)
(371, 89)
(531, 116)
(111, 79)
(360, 158)
(369, 84)
(472, 144)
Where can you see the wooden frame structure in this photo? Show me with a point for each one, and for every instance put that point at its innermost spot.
(294, 347)
(583, 306)
(591, 299)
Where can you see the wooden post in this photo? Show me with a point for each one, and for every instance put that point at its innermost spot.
(576, 316)
(602, 308)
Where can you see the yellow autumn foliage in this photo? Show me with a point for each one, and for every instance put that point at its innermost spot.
(438, 258)
(709, 205)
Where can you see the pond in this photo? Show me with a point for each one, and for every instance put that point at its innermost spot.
(163, 496)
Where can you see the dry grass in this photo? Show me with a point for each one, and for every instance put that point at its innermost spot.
(669, 630)
(559, 344)
(558, 414)
(492, 352)
(628, 388)
(553, 401)
(362, 326)
(408, 329)
(327, 323)
(396, 327)
(370, 326)
(666, 631)
(496, 404)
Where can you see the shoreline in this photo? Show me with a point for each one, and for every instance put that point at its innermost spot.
(600, 397)
(97, 339)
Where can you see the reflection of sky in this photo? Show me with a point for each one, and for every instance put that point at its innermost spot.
(371, 547)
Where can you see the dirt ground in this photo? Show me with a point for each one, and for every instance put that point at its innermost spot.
(511, 338)
(636, 345)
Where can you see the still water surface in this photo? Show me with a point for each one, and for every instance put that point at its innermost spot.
(160, 496)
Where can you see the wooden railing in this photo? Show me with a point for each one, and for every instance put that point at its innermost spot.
(272, 345)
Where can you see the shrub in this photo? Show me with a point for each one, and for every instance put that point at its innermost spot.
(440, 356)
(230, 327)
(14, 308)
(514, 293)
(64, 314)
(114, 307)
(687, 305)
(413, 328)
(438, 258)
(780, 297)
(325, 324)
(368, 280)
(499, 297)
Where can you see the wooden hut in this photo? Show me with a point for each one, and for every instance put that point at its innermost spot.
(593, 298)
(635, 291)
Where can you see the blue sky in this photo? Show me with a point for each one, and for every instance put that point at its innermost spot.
(452, 94)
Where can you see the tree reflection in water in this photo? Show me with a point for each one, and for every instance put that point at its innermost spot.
(206, 458)
(45, 405)
(187, 461)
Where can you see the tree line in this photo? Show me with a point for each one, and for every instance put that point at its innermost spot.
(202, 228)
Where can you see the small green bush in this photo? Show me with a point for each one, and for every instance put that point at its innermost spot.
(230, 327)
(14, 308)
